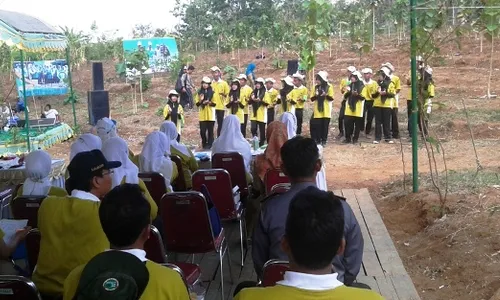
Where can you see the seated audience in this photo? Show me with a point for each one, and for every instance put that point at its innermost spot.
(85, 142)
(106, 129)
(125, 219)
(301, 163)
(155, 157)
(69, 226)
(290, 120)
(115, 149)
(38, 165)
(313, 236)
(7, 248)
(189, 164)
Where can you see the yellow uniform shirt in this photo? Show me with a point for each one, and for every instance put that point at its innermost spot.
(343, 84)
(261, 115)
(180, 116)
(360, 105)
(221, 91)
(389, 102)
(71, 235)
(240, 112)
(299, 95)
(397, 85)
(164, 283)
(245, 93)
(189, 165)
(207, 112)
(272, 96)
(418, 80)
(53, 191)
(281, 292)
(371, 88)
(328, 103)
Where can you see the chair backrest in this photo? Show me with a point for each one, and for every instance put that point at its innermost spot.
(154, 247)
(273, 271)
(187, 226)
(218, 183)
(280, 188)
(26, 207)
(274, 177)
(155, 184)
(17, 287)
(33, 247)
(16, 190)
(6, 196)
(233, 163)
(179, 184)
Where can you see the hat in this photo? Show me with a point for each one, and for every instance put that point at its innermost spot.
(288, 80)
(389, 66)
(367, 71)
(428, 70)
(298, 76)
(185, 68)
(215, 69)
(323, 75)
(386, 71)
(419, 58)
(86, 165)
(236, 80)
(351, 69)
(270, 80)
(173, 92)
(206, 80)
(357, 74)
(261, 80)
(242, 76)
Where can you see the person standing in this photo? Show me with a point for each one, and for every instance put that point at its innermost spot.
(206, 107)
(427, 94)
(286, 88)
(354, 108)
(394, 112)
(246, 92)
(297, 98)
(383, 104)
(259, 103)
(187, 88)
(344, 83)
(272, 95)
(322, 96)
(174, 112)
(236, 103)
(420, 70)
(221, 91)
(371, 87)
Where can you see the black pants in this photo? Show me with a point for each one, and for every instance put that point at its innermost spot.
(261, 126)
(207, 133)
(299, 114)
(353, 126)
(187, 99)
(319, 129)
(369, 114)
(270, 115)
(382, 122)
(244, 126)
(220, 119)
(341, 117)
(394, 123)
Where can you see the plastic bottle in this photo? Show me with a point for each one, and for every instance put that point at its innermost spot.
(255, 143)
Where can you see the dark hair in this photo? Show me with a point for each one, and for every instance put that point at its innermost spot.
(299, 156)
(124, 213)
(49, 106)
(191, 68)
(314, 228)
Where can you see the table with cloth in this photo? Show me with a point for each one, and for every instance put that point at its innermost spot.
(15, 176)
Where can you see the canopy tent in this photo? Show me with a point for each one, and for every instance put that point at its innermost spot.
(29, 34)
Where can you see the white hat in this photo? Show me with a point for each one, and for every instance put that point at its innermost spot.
(215, 69)
(389, 65)
(288, 80)
(386, 71)
(323, 75)
(261, 80)
(419, 58)
(242, 76)
(351, 69)
(428, 70)
(185, 68)
(173, 92)
(298, 76)
(367, 71)
(206, 79)
(270, 80)
(357, 74)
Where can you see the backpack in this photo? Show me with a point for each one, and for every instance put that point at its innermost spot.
(179, 84)
(113, 275)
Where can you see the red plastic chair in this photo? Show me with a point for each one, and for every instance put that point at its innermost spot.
(17, 287)
(273, 271)
(155, 251)
(33, 248)
(188, 228)
(280, 188)
(179, 184)
(26, 207)
(233, 163)
(155, 182)
(274, 177)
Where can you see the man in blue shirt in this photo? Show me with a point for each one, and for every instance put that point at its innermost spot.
(250, 72)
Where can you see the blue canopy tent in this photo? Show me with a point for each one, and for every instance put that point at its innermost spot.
(29, 34)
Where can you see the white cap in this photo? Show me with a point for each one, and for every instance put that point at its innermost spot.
(357, 74)
(323, 75)
(428, 70)
(419, 58)
(386, 71)
(270, 80)
(389, 65)
(288, 80)
(173, 92)
(298, 76)
(351, 69)
(242, 76)
(367, 71)
(185, 68)
(206, 79)
(215, 69)
(261, 80)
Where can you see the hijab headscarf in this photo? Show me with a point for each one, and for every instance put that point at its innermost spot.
(290, 121)
(231, 140)
(276, 134)
(283, 93)
(321, 88)
(106, 129)
(259, 94)
(174, 108)
(38, 166)
(116, 149)
(170, 130)
(234, 95)
(86, 142)
(155, 156)
(355, 87)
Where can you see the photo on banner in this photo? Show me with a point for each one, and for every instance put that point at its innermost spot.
(43, 78)
(161, 51)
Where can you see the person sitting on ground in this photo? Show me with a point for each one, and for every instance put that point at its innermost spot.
(38, 165)
(290, 120)
(301, 163)
(50, 113)
(115, 149)
(124, 272)
(155, 157)
(310, 249)
(85, 142)
(189, 164)
(71, 233)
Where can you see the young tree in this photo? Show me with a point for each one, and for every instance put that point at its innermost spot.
(490, 19)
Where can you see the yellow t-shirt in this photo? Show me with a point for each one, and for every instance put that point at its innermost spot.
(360, 106)
(71, 235)
(299, 95)
(371, 88)
(279, 292)
(272, 96)
(164, 283)
(180, 116)
(221, 91)
(389, 102)
(240, 112)
(343, 84)
(245, 93)
(327, 108)
(189, 165)
(206, 113)
(261, 115)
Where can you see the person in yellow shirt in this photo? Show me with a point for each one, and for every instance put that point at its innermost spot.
(246, 92)
(425, 106)
(236, 103)
(297, 98)
(286, 88)
(221, 91)
(420, 70)
(383, 104)
(259, 103)
(272, 95)
(124, 272)
(311, 250)
(371, 87)
(394, 113)
(174, 112)
(354, 109)
(344, 83)
(322, 96)
(206, 106)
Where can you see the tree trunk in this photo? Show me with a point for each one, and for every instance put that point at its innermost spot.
(491, 63)
(239, 61)
(140, 90)
(481, 42)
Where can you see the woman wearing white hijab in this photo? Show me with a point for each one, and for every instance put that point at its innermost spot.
(86, 142)
(189, 164)
(231, 140)
(290, 121)
(155, 157)
(38, 165)
(106, 129)
(115, 149)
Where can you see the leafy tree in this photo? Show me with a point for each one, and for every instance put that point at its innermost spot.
(142, 31)
(160, 32)
(490, 19)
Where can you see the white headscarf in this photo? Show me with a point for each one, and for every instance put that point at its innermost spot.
(86, 142)
(290, 121)
(231, 140)
(155, 156)
(116, 149)
(106, 129)
(38, 166)
(170, 130)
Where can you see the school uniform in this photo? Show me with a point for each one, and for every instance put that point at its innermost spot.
(237, 108)
(221, 91)
(343, 84)
(207, 117)
(258, 117)
(354, 111)
(371, 88)
(427, 93)
(297, 99)
(322, 112)
(394, 113)
(272, 99)
(246, 92)
(189, 164)
(383, 106)
(174, 113)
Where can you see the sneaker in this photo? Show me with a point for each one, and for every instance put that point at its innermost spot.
(376, 142)
(389, 141)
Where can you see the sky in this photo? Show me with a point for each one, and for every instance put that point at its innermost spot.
(109, 14)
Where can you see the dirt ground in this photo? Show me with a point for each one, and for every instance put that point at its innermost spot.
(452, 257)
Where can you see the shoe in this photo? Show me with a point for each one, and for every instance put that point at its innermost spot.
(376, 142)
(354, 142)
(389, 141)
(368, 136)
(346, 141)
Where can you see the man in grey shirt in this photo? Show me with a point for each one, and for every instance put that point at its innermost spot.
(187, 88)
(301, 162)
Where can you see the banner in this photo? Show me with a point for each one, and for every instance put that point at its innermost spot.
(161, 51)
(43, 78)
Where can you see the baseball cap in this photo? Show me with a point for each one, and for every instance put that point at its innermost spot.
(242, 76)
(351, 69)
(215, 69)
(86, 165)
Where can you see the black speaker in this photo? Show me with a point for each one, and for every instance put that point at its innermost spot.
(293, 67)
(98, 105)
(97, 76)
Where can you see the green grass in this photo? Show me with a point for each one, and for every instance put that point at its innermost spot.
(464, 180)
